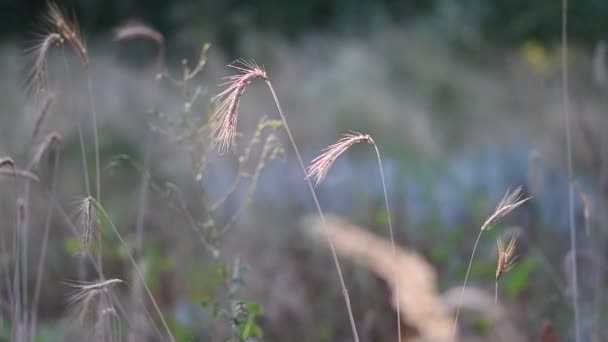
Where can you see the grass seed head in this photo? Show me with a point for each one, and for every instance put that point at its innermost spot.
(320, 166)
(506, 255)
(508, 203)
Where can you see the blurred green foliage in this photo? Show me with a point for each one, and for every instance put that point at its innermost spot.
(222, 22)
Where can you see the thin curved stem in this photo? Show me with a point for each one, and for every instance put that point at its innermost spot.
(138, 271)
(390, 230)
(320, 212)
(464, 285)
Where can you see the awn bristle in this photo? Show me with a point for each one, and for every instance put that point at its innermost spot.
(506, 255)
(89, 223)
(320, 166)
(508, 203)
(39, 76)
(69, 31)
(226, 115)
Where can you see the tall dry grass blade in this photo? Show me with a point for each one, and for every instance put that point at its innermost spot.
(506, 259)
(224, 132)
(320, 167)
(508, 203)
(566, 109)
(226, 115)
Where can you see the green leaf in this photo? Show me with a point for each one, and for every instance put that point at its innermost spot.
(254, 308)
(518, 278)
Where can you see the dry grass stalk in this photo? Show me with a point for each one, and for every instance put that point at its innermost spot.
(89, 220)
(508, 203)
(69, 31)
(224, 131)
(320, 166)
(226, 115)
(52, 140)
(586, 205)
(7, 162)
(415, 288)
(48, 101)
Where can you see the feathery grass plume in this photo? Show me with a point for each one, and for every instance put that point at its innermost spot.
(224, 131)
(226, 115)
(507, 204)
(89, 224)
(506, 259)
(39, 72)
(89, 299)
(320, 166)
(52, 140)
(586, 205)
(69, 30)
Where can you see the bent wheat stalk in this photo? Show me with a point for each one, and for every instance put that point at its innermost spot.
(224, 135)
(320, 167)
(508, 203)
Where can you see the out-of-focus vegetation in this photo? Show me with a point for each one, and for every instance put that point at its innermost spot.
(463, 100)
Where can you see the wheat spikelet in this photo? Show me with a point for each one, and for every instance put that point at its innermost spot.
(90, 299)
(69, 31)
(506, 255)
(224, 130)
(89, 221)
(320, 166)
(508, 203)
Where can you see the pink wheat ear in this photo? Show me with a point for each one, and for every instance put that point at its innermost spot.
(320, 166)
(224, 130)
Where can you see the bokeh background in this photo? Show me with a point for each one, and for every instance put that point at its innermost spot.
(463, 99)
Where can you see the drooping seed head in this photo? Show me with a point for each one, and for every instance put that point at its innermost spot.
(69, 30)
(506, 256)
(90, 299)
(39, 72)
(224, 129)
(320, 166)
(51, 141)
(508, 203)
